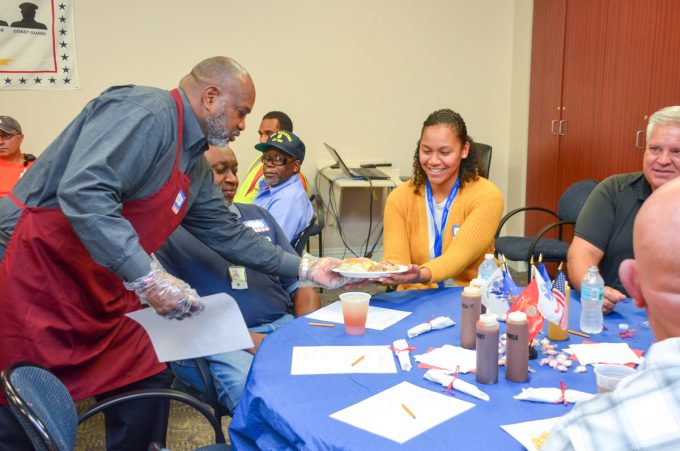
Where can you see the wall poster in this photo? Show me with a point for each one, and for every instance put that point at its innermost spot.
(37, 45)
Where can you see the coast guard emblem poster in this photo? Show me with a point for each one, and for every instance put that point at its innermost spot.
(37, 45)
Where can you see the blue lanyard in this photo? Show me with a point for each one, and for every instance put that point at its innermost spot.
(439, 232)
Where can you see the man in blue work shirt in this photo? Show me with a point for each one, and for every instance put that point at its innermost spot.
(266, 301)
(281, 194)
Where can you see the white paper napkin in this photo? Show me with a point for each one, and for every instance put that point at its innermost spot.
(400, 348)
(448, 357)
(552, 395)
(444, 379)
(439, 322)
(617, 353)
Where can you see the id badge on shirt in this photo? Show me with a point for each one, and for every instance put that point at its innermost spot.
(257, 225)
(179, 201)
(454, 230)
(239, 280)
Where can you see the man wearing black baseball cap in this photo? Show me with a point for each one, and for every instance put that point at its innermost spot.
(13, 162)
(281, 194)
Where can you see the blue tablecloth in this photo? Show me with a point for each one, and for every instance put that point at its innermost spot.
(280, 411)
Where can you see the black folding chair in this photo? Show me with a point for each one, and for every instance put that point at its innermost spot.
(46, 411)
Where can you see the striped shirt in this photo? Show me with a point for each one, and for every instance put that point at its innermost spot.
(642, 413)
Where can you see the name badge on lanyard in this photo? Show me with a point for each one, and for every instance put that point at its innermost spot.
(439, 231)
(179, 201)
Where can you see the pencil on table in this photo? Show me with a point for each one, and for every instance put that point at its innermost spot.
(580, 334)
(358, 360)
(408, 411)
(321, 324)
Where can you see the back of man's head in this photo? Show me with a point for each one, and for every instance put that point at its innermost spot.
(653, 278)
(285, 122)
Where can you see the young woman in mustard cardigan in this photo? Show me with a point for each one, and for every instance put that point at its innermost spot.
(445, 189)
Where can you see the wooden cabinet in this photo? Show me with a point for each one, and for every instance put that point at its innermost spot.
(599, 68)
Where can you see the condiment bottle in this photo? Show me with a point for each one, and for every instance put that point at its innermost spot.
(487, 349)
(478, 282)
(470, 309)
(555, 332)
(516, 355)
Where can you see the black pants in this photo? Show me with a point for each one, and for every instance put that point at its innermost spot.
(129, 426)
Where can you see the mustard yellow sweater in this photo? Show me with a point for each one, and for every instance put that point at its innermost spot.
(477, 209)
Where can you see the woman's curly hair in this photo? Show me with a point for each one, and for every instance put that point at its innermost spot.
(469, 169)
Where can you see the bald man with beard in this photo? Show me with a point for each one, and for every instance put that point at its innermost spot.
(643, 412)
(78, 230)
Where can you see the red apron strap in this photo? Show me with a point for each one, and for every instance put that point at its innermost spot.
(16, 201)
(180, 127)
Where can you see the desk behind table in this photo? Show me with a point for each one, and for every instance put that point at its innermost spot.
(353, 205)
(280, 411)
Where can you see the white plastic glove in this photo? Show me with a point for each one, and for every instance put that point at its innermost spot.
(169, 296)
(319, 272)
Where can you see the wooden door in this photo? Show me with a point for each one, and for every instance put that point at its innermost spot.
(628, 73)
(582, 87)
(665, 86)
(544, 107)
(619, 64)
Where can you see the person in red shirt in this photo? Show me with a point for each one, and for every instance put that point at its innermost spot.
(13, 162)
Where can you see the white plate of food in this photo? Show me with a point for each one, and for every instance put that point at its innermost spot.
(368, 269)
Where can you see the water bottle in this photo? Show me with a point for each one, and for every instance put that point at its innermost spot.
(487, 268)
(592, 295)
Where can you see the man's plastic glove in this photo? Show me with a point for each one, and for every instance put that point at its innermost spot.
(169, 296)
(319, 272)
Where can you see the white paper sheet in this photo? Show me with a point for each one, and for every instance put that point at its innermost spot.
(339, 360)
(604, 353)
(218, 328)
(448, 357)
(378, 318)
(523, 432)
(383, 414)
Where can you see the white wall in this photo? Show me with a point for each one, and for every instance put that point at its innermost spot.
(362, 75)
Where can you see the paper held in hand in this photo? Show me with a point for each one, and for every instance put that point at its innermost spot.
(218, 328)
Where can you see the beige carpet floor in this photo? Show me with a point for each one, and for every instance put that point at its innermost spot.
(187, 429)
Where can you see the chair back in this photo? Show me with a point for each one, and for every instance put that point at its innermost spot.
(43, 406)
(300, 241)
(315, 227)
(483, 158)
(574, 198)
(318, 211)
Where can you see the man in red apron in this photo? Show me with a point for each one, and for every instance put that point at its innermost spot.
(81, 225)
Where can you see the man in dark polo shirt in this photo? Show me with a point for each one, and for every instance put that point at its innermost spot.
(267, 302)
(604, 229)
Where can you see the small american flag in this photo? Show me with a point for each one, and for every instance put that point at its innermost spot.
(559, 294)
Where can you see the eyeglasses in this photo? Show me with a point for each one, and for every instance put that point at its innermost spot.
(7, 136)
(277, 160)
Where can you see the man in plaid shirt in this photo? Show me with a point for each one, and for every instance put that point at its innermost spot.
(643, 412)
